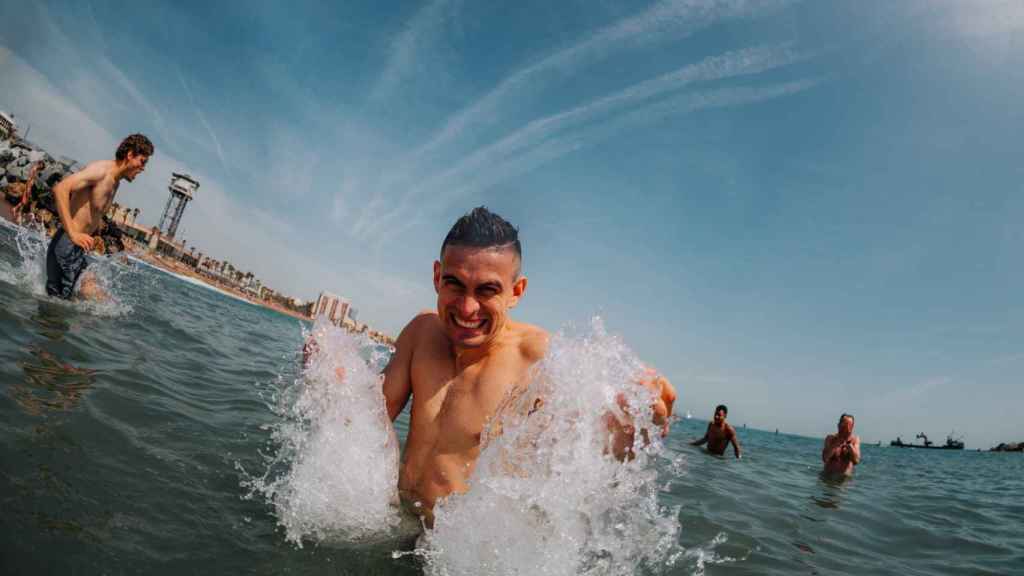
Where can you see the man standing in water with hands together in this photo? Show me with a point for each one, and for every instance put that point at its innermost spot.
(82, 199)
(842, 449)
(458, 363)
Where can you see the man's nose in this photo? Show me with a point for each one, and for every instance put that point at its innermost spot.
(468, 306)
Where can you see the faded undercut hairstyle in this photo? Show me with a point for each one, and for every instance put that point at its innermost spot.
(137, 144)
(481, 228)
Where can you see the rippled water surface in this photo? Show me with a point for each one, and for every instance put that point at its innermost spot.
(127, 434)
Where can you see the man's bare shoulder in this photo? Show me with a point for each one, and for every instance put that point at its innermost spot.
(424, 323)
(97, 169)
(92, 173)
(533, 340)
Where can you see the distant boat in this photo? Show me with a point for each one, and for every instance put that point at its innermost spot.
(951, 443)
(688, 415)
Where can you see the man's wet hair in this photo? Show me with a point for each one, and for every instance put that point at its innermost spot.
(137, 144)
(723, 408)
(481, 228)
(845, 415)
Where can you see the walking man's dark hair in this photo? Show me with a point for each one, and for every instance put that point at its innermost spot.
(850, 416)
(136, 144)
(723, 408)
(481, 228)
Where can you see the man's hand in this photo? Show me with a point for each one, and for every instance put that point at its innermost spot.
(310, 349)
(83, 241)
(665, 398)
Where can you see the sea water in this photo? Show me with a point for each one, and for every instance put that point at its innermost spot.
(130, 440)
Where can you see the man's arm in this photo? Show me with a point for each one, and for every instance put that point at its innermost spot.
(703, 439)
(86, 178)
(26, 191)
(735, 442)
(855, 450)
(826, 449)
(398, 374)
(622, 433)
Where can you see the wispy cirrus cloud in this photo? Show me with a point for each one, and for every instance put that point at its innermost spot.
(545, 139)
(411, 45)
(667, 20)
(214, 140)
(673, 19)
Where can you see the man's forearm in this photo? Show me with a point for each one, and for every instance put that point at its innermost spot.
(62, 197)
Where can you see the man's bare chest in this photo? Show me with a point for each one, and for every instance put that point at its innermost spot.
(458, 404)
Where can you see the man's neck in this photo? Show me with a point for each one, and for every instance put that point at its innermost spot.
(120, 168)
(467, 356)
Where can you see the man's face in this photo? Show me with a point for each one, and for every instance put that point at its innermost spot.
(136, 164)
(846, 425)
(476, 287)
(719, 416)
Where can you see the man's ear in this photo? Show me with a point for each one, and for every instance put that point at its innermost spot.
(437, 276)
(518, 289)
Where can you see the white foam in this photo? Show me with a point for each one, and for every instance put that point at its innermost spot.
(31, 243)
(545, 498)
(334, 476)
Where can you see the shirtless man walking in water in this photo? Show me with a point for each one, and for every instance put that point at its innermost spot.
(842, 449)
(719, 434)
(82, 199)
(457, 364)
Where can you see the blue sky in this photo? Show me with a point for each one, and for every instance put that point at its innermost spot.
(795, 208)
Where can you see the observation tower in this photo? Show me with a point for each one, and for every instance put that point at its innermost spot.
(183, 187)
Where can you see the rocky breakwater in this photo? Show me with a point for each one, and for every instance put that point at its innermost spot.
(1009, 447)
(17, 159)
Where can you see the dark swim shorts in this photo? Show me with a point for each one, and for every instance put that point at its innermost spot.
(65, 262)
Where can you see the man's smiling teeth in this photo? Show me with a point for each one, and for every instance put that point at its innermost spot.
(464, 324)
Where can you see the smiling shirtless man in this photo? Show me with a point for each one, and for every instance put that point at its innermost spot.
(81, 200)
(458, 363)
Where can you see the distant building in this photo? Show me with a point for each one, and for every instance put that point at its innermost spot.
(8, 128)
(334, 307)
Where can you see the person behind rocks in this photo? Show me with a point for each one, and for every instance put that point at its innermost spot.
(81, 200)
(841, 451)
(719, 434)
(457, 364)
(20, 193)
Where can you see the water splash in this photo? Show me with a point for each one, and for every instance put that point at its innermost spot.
(334, 475)
(26, 267)
(546, 498)
(702, 556)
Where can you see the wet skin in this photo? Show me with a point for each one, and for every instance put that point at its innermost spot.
(718, 436)
(841, 451)
(83, 197)
(458, 364)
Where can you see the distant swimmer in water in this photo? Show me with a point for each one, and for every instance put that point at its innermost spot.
(458, 363)
(842, 449)
(82, 198)
(719, 434)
